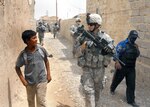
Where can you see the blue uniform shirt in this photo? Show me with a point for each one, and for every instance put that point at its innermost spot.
(121, 47)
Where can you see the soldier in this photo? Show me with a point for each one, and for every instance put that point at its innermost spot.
(41, 29)
(92, 61)
(74, 33)
(127, 51)
(55, 29)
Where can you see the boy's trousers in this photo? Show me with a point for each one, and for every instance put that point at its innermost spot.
(38, 90)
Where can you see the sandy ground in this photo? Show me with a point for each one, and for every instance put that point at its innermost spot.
(65, 91)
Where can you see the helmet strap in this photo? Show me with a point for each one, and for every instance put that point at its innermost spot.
(95, 27)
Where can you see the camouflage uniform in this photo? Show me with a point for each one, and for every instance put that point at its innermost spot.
(74, 34)
(55, 29)
(41, 29)
(93, 64)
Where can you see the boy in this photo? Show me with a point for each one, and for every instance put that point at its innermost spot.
(34, 58)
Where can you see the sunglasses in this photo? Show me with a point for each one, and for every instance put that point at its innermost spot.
(92, 24)
(78, 21)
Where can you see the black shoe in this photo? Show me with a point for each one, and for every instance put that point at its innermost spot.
(112, 92)
(134, 104)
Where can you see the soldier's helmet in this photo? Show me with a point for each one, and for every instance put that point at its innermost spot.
(95, 18)
(78, 20)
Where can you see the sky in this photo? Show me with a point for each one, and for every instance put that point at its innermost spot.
(65, 8)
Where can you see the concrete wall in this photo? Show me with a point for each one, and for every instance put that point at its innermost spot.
(15, 17)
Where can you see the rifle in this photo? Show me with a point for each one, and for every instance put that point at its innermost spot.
(101, 43)
(79, 30)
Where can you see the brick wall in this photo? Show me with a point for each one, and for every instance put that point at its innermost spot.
(15, 16)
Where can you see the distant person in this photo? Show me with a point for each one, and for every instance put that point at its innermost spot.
(41, 29)
(127, 51)
(49, 29)
(75, 33)
(55, 29)
(37, 69)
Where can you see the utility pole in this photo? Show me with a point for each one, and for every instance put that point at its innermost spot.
(56, 11)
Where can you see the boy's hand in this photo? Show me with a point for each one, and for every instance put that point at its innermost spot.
(49, 78)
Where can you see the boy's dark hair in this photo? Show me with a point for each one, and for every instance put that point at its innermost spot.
(27, 34)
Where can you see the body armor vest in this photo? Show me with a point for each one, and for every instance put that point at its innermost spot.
(92, 56)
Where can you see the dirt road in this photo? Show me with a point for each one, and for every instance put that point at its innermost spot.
(64, 89)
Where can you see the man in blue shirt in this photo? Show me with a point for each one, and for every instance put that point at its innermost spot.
(127, 51)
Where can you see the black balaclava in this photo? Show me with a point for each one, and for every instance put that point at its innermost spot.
(133, 36)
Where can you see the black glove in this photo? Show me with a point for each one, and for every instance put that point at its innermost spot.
(107, 49)
(80, 29)
(76, 34)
